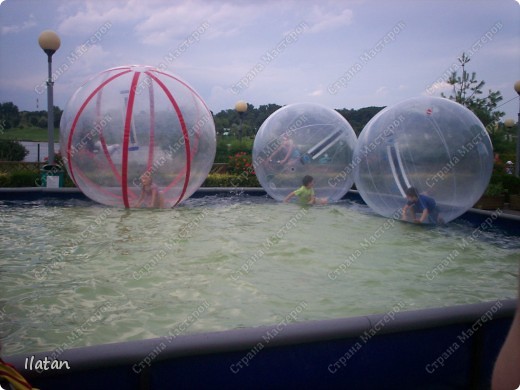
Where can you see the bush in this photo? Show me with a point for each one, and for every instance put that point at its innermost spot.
(240, 163)
(23, 179)
(227, 180)
(12, 151)
(494, 189)
(511, 184)
(227, 146)
(5, 179)
(67, 181)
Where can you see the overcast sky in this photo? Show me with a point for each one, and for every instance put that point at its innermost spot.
(342, 54)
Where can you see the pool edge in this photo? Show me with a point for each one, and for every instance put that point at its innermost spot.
(474, 327)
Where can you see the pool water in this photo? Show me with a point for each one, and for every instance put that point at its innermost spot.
(74, 273)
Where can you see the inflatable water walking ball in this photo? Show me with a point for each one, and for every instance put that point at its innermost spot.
(304, 139)
(133, 125)
(433, 144)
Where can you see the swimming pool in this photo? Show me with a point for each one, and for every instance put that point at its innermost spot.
(75, 273)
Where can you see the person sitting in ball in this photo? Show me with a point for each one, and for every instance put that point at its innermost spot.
(305, 193)
(287, 152)
(150, 195)
(420, 204)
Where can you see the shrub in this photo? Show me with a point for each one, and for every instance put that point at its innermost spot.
(5, 179)
(24, 179)
(494, 190)
(12, 151)
(67, 181)
(239, 163)
(227, 180)
(227, 146)
(511, 184)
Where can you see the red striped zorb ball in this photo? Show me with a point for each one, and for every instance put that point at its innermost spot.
(133, 135)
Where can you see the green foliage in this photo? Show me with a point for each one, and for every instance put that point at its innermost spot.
(29, 133)
(9, 116)
(227, 146)
(5, 179)
(511, 184)
(27, 175)
(22, 179)
(359, 118)
(39, 118)
(229, 180)
(240, 163)
(229, 120)
(467, 90)
(11, 150)
(58, 161)
(250, 121)
(494, 189)
(503, 140)
(500, 145)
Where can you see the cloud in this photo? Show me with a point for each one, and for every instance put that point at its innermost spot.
(316, 92)
(437, 88)
(93, 57)
(382, 91)
(159, 23)
(321, 19)
(13, 29)
(178, 21)
(88, 16)
(161, 27)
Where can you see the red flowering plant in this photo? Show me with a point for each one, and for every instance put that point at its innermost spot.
(58, 161)
(240, 163)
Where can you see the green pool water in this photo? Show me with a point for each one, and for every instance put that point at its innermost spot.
(73, 273)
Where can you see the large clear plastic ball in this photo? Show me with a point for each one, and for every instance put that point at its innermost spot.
(132, 124)
(432, 144)
(304, 139)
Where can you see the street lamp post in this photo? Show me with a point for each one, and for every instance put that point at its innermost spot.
(517, 162)
(240, 107)
(510, 125)
(50, 42)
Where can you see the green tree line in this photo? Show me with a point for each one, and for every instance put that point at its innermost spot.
(227, 122)
(12, 118)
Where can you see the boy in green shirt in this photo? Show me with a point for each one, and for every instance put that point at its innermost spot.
(305, 193)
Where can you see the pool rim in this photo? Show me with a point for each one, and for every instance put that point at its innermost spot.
(33, 193)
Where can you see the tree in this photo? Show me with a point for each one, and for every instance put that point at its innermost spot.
(9, 115)
(253, 118)
(11, 150)
(57, 116)
(359, 118)
(467, 90)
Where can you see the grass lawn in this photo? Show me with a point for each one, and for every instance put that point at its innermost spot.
(34, 134)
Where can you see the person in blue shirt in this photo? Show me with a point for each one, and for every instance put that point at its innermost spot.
(420, 204)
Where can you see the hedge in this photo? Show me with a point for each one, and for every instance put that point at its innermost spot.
(24, 178)
(229, 180)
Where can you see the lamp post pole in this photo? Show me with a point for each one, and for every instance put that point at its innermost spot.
(517, 162)
(50, 42)
(240, 107)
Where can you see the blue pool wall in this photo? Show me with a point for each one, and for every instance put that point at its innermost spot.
(401, 354)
